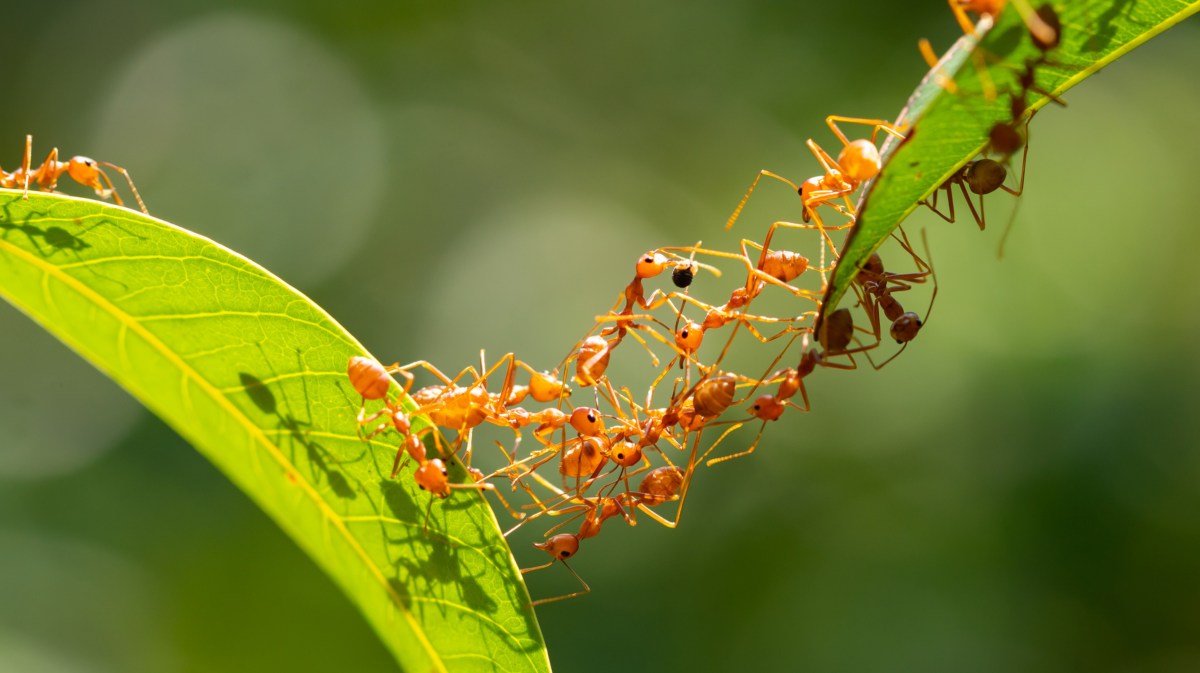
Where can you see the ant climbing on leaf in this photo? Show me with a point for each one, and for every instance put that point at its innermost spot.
(858, 162)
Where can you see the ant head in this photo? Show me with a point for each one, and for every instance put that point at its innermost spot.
(432, 476)
(562, 546)
(689, 336)
(767, 408)
(587, 421)
(860, 160)
(87, 171)
(906, 327)
(650, 264)
(626, 454)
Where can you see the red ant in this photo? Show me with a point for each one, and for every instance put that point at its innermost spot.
(770, 407)
(83, 170)
(858, 162)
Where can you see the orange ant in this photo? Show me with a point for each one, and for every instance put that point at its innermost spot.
(560, 548)
(83, 170)
(649, 265)
(858, 162)
(372, 380)
(565, 545)
(775, 267)
(770, 407)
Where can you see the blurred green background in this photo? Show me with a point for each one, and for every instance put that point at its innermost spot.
(1017, 492)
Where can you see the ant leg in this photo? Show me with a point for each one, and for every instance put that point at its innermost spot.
(739, 454)
(935, 66)
(980, 218)
(1012, 218)
(742, 204)
(949, 197)
(25, 163)
(878, 124)
(129, 180)
(717, 443)
(960, 14)
(543, 601)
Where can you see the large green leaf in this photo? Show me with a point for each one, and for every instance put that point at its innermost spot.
(948, 130)
(253, 374)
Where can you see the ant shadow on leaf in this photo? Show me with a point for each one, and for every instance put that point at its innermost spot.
(322, 460)
(1105, 30)
(428, 562)
(54, 239)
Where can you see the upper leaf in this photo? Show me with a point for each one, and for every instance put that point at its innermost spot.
(946, 130)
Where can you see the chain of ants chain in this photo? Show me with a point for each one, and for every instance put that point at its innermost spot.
(699, 395)
(454, 407)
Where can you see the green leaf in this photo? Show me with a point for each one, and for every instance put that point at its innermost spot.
(253, 374)
(948, 130)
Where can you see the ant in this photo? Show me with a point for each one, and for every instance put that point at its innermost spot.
(858, 162)
(83, 170)
(835, 332)
(775, 267)
(877, 286)
(770, 407)
(981, 177)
